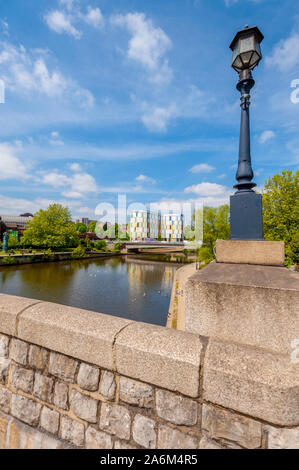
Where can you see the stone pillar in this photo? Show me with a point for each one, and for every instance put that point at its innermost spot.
(247, 306)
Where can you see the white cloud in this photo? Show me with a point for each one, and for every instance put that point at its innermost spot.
(72, 194)
(202, 168)
(24, 71)
(75, 186)
(158, 119)
(145, 179)
(11, 166)
(76, 167)
(62, 21)
(67, 3)
(148, 45)
(265, 136)
(94, 17)
(59, 22)
(285, 54)
(16, 206)
(55, 179)
(208, 190)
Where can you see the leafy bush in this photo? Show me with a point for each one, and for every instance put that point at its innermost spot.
(48, 254)
(13, 242)
(117, 247)
(79, 252)
(100, 245)
(8, 260)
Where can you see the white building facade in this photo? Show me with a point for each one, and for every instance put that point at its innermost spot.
(172, 229)
(151, 225)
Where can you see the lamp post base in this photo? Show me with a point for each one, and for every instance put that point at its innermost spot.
(246, 216)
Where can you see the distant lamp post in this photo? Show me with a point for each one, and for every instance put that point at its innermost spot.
(246, 212)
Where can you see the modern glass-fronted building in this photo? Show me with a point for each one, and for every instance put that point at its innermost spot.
(146, 224)
(172, 229)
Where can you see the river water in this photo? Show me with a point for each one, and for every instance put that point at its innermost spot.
(125, 287)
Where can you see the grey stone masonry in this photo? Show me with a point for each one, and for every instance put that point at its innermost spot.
(206, 443)
(176, 409)
(136, 393)
(144, 432)
(169, 438)
(63, 367)
(25, 410)
(108, 385)
(84, 407)
(19, 351)
(72, 431)
(38, 357)
(22, 379)
(121, 445)
(76, 379)
(5, 397)
(43, 387)
(97, 439)
(49, 420)
(4, 342)
(4, 368)
(61, 395)
(88, 377)
(222, 424)
(282, 438)
(116, 420)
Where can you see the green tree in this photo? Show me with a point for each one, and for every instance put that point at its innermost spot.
(51, 228)
(81, 228)
(215, 226)
(79, 252)
(13, 242)
(100, 245)
(92, 226)
(112, 232)
(281, 212)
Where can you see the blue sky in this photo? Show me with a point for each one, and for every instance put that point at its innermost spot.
(138, 97)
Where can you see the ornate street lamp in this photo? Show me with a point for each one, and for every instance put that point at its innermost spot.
(246, 213)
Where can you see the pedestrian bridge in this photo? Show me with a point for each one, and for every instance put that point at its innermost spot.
(154, 247)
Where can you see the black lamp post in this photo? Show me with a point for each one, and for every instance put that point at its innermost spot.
(246, 212)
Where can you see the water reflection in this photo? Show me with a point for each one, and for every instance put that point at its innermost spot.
(126, 287)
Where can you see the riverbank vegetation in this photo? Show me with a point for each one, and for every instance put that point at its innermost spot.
(280, 217)
(281, 212)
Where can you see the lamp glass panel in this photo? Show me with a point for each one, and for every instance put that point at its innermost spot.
(246, 56)
(246, 44)
(235, 51)
(238, 63)
(257, 47)
(255, 59)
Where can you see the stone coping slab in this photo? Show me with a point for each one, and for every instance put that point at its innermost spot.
(79, 333)
(267, 253)
(10, 308)
(161, 356)
(152, 353)
(271, 277)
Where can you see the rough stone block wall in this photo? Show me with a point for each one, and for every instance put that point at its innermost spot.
(147, 387)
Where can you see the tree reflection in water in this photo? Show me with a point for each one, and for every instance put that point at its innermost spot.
(122, 286)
